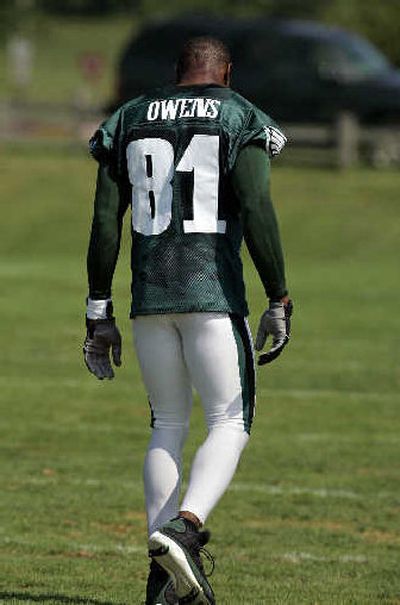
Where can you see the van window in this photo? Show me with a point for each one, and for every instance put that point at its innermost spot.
(157, 43)
(166, 41)
(279, 55)
(352, 58)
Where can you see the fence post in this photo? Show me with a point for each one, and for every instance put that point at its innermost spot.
(347, 139)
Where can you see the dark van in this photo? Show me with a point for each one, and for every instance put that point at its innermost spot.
(297, 71)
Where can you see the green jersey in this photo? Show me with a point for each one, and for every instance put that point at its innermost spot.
(174, 151)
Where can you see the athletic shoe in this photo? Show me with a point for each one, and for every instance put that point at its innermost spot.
(176, 547)
(160, 588)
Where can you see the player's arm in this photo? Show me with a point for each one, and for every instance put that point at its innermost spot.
(110, 205)
(250, 181)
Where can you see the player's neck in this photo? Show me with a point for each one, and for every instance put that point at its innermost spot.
(194, 78)
(198, 82)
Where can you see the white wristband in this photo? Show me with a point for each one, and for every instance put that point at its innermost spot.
(97, 309)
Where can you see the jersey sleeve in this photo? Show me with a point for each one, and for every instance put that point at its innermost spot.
(105, 144)
(260, 130)
(250, 182)
(111, 201)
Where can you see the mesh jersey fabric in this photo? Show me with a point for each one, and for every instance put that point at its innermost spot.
(174, 270)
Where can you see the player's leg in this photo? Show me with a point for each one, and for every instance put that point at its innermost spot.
(165, 376)
(159, 350)
(219, 354)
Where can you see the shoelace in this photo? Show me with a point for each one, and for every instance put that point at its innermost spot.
(209, 558)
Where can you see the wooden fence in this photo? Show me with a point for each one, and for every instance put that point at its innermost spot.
(342, 144)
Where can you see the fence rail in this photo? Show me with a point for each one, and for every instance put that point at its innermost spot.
(47, 123)
(344, 143)
(347, 143)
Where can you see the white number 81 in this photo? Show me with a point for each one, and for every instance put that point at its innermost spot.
(151, 170)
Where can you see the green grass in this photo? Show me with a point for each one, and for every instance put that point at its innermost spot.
(312, 514)
(59, 44)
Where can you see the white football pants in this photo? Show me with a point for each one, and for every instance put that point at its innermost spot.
(212, 352)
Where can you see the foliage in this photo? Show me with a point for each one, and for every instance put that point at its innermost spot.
(86, 7)
(378, 22)
(312, 515)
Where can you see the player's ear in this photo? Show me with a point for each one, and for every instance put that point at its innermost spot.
(227, 75)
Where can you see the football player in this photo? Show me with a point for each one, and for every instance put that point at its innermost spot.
(193, 161)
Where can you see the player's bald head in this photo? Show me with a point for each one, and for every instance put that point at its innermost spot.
(204, 57)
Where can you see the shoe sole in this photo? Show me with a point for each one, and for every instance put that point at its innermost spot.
(173, 559)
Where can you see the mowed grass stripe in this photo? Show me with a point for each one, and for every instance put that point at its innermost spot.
(248, 487)
(29, 382)
(78, 550)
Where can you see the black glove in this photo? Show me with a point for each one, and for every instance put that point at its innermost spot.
(101, 335)
(275, 321)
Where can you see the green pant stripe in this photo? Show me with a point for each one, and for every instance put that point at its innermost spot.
(152, 415)
(246, 368)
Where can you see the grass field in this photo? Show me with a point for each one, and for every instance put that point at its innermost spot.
(59, 44)
(313, 513)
